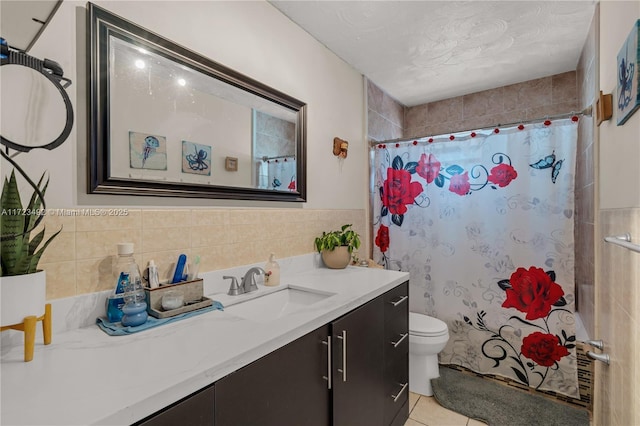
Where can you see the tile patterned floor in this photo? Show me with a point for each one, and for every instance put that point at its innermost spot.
(425, 411)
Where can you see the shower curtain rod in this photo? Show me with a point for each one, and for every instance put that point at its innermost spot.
(587, 111)
(265, 158)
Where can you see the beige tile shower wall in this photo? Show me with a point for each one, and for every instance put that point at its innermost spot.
(585, 187)
(619, 320)
(532, 99)
(385, 115)
(79, 260)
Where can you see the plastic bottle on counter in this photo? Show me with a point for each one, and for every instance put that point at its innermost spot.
(128, 302)
(272, 272)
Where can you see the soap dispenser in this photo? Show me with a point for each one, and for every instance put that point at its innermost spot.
(272, 272)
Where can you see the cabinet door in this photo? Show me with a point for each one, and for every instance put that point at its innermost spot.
(358, 366)
(285, 387)
(196, 410)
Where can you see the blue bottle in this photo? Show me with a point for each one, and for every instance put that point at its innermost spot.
(115, 301)
(127, 304)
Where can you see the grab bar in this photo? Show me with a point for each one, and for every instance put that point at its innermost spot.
(623, 240)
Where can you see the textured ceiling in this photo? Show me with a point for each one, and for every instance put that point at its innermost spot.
(423, 51)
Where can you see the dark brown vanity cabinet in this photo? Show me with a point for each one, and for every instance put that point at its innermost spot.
(352, 371)
(285, 387)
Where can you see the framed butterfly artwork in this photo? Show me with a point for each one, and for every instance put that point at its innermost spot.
(627, 93)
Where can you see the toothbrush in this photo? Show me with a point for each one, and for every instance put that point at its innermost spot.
(178, 274)
(196, 266)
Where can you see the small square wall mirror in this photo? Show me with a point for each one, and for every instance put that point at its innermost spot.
(165, 120)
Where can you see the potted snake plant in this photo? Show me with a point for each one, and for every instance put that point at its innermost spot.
(336, 247)
(22, 285)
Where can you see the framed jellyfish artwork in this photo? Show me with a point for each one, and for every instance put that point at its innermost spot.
(147, 151)
(196, 158)
(627, 96)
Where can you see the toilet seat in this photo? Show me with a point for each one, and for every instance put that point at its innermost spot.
(426, 326)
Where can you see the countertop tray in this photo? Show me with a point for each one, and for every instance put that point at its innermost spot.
(190, 306)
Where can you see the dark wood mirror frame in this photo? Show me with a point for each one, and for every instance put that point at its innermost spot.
(102, 24)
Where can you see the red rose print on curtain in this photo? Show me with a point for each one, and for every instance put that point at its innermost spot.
(502, 175)
(460, 183)
(531, 291)
(543, 349)
(428, 167)
(382, 238)
(460, 179)
(535, 293)
(399, 191)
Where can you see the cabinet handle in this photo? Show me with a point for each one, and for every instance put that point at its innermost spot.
(404, 336)
(397, 396)
(328, 376)
(343, 370)
(399, 301)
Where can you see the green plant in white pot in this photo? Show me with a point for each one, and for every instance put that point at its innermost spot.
(22, 285)
(336, 247)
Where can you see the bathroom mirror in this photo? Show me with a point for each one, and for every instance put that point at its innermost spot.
(167, 121)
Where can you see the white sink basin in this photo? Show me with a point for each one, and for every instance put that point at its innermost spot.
(276, 305)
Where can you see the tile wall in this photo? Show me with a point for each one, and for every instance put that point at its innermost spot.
(389, 119)
(385, 115)
(618, 385)
(79, 260)
(532, 99)
(585, 187)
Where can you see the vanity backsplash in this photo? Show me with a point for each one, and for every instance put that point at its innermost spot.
(79, 260)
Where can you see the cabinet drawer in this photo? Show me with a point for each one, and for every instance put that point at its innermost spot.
(396, 386)
(396, 339)
(396, 326)
(396, 300)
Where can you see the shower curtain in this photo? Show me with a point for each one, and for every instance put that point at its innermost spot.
(278, 173)
(483, 221)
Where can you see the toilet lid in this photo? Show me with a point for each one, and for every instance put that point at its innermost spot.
(423, 325)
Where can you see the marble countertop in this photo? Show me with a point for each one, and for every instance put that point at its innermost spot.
(88, 377)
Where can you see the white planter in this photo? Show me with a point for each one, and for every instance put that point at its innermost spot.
(22, 296)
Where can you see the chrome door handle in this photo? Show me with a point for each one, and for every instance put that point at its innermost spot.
(397, 396)
(396, 344)
(343, 370)
(399, 301)
(328, 376)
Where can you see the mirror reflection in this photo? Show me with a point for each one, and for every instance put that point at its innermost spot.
(176, 124)
(34, 112)
(167, 121)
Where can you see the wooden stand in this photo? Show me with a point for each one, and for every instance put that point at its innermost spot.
(29, 329)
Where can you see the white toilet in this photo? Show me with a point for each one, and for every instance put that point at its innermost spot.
(427, 337)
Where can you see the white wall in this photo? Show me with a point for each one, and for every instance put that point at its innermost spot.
(619, 145)
(251, 37)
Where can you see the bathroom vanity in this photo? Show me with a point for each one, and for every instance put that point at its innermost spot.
(343, 360)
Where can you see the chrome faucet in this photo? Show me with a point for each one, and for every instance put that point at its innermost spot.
(248, 282)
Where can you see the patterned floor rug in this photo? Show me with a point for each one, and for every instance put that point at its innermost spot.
(499, 405)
